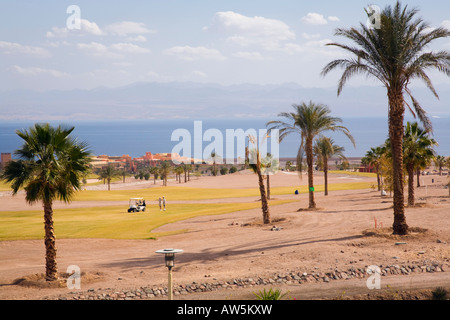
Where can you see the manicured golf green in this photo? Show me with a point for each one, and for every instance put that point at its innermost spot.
(112, 222)
(186, 193)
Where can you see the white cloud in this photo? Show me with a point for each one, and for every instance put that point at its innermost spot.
(333, 19)
(310, 36)
(125, 28)
(35, 71)
(249, 55)
(86, 28)
(129, 48)
(314, 19)
(139, 38)
(98, 50)
(199, 74)
(17, 48)
(246, 31)
(188, 53)
(114, 51)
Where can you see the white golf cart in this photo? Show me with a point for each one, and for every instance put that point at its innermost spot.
(136, 205)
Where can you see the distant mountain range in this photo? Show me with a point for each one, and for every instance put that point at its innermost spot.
(198, 100)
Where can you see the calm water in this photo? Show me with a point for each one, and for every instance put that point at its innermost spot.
(137, 137)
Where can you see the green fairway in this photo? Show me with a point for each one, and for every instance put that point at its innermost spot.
(111, 222)
(187, 193)
(351, 173)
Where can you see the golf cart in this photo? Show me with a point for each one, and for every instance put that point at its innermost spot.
(136, 205)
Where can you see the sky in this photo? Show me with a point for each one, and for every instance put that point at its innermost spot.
(226, 42)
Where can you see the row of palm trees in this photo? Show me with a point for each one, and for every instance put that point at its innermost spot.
(163, 170)
(310, 121)
(394, 53)
(418, 152)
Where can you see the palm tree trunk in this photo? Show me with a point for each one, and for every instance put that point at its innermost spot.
(410, 169)
(268, 187)
(325, 174)
(51, 269)
(309, 160)
(262, 190)
(396, 130)
(418, 176)
(378, 177)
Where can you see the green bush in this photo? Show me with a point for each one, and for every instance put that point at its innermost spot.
(439, 294)
(269, 295)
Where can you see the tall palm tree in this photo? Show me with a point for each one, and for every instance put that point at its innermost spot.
(394, 53)
(256, 166)
(164, 170)
(178, 172)
(269, 165)
(51, 165)
(310, 121)
(324, 149)
(439, 162)
(188, 169)
(417, 147)
(373, 158)
(215, 158)
(107, 173)
(154, 172)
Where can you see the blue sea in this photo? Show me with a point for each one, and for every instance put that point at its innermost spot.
(135, 137)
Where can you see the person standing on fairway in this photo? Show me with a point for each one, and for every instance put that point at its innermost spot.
(164, 202)
(160, 201)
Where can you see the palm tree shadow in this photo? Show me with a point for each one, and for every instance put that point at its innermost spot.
(213, 255)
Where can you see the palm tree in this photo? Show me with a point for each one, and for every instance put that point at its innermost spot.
(214, 157)
(417, 148)
(256, 166)
(310, 121)
(373, 158)
(164, 170)
(188, 169)
(324, 149)
(107, 173)
(154, 171)
(439, 162)
(178, 172)
(394, 53)
(51, 165)
(269, 166)
(288, 165)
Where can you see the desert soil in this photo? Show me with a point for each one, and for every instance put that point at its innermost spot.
(238, 245)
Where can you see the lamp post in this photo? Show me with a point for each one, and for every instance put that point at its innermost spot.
(169, 257)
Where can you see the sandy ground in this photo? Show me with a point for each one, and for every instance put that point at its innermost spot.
(237, 245)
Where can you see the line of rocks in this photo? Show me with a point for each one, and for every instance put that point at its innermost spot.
(288, 278)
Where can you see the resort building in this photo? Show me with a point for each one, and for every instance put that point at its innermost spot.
(4, 159)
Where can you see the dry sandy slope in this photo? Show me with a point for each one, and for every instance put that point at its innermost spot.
(219, 247)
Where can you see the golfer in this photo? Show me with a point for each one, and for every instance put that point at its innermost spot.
(164, 203)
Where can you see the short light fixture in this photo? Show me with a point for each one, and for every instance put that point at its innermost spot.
(169, 257)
